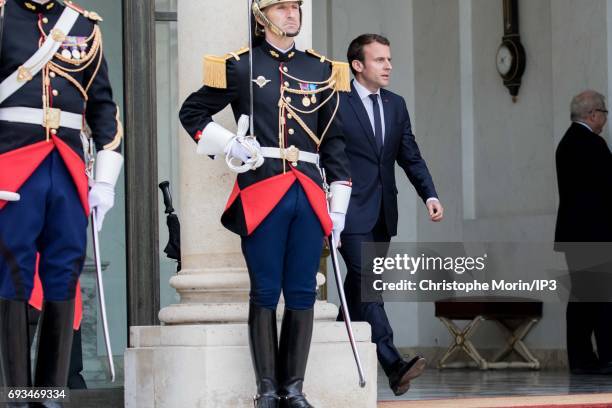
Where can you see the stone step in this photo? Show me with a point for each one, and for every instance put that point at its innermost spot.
(205, 313)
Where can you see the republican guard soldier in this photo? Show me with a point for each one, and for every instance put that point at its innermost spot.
(54, 90)
(278, 203)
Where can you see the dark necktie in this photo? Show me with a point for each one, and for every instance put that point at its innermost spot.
(378, 131)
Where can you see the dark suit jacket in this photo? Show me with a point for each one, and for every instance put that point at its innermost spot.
(373, 175)
(584, 175)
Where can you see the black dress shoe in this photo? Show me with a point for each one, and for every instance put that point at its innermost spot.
(403, 372)
(603, 369)
(594, 368)
(606, 368)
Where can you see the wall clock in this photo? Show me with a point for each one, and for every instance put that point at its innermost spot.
(511, 58)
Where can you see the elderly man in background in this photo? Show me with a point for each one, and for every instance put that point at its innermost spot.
(584, 224)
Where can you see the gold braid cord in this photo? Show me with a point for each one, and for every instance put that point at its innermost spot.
(285, 107)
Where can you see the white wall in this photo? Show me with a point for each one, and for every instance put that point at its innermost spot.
(492, 160)
(392, 18)
(437, 115)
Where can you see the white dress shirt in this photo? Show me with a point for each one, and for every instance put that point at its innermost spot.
(584, 124)
(364, 94)
(282, 51)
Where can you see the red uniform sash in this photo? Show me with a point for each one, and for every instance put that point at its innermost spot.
(259, 199)
(18, 165)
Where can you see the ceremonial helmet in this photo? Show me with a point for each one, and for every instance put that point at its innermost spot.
(260, 5)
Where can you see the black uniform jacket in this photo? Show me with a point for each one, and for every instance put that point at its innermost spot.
(584, 176)
(257, 192)
(82, 88)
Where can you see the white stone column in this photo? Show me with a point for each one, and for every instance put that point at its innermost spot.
(213, 284)
(200, 357)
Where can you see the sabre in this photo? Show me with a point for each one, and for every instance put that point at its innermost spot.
(98, 263)
(101, 298)
(2, 4)
(251, 109)
(333, 249)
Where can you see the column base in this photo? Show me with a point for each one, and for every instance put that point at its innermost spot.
(209, 366)
(205, 313)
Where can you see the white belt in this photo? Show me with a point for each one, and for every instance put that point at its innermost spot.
(291, 154)
(53, 118)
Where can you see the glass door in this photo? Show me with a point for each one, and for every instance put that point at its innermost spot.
(112, 237)
(167, 129)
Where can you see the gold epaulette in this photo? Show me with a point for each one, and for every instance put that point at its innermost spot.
(340, 71)
(92, 15)
(215, 73)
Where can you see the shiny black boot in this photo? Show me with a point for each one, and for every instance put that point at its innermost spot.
(263, 341)
(54, 345)
(296, 334)
(15, 346)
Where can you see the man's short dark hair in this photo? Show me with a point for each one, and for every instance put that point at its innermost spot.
(355, 50)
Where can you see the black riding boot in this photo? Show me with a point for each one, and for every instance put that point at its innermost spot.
(14, 346)
(263, 341)
(296, 333)
(54, 345)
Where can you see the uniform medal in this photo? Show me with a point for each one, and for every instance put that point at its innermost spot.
(74, 48)
(83, 48)
(308, 99)
(76, 54)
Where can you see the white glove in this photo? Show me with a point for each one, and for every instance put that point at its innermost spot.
(102, 198)
(242, 153)
(338, 226)
(236, 150)
(102, 193)
(9, 196)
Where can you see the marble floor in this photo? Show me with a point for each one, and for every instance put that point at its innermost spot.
(433, 384)
(452, 383)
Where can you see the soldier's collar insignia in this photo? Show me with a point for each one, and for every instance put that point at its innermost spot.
(277, 54)
(35, 7)
(261, 81)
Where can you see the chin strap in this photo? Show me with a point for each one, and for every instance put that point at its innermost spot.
(274, 28)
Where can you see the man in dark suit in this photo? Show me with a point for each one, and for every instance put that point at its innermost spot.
(584, 231)
(378, 134)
